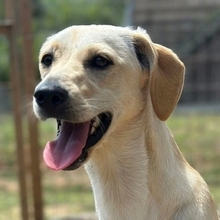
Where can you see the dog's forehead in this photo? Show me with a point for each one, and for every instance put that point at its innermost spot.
(76, 36)
(95, 33)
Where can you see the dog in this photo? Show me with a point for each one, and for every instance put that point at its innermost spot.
(111, 90)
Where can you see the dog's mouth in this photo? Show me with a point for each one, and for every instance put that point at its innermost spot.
(70, 149)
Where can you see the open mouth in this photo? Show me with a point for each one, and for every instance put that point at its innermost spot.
(70, 149)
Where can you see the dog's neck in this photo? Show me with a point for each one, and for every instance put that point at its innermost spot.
(119, 171)
(119, 179)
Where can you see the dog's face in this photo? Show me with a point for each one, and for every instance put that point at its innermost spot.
(96, 77)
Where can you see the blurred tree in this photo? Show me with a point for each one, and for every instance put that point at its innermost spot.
(1, 10)
(3, 50)
(4, 59)
(59, 14)
(50, 16)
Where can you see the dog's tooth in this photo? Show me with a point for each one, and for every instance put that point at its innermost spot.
(92, 130)
(95, 124)
(97, 121)
(59, 124)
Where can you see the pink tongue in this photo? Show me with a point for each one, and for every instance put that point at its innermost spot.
(63, 151)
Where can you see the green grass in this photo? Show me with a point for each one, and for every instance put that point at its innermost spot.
(66, 193)
(198, 137)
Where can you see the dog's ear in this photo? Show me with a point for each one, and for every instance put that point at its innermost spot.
(167, 79)
(143, 49)
(166, 74)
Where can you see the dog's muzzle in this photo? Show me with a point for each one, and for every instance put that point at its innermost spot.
(70, 149)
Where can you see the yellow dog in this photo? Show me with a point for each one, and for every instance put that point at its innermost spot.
(111, 89)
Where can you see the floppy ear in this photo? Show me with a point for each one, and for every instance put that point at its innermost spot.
(166, 73)
(167, 79)
(144, 49)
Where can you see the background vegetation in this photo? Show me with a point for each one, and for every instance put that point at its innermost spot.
(50, 16)
(68, 193)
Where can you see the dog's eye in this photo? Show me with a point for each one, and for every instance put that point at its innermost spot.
(47, 60)
(100, 62)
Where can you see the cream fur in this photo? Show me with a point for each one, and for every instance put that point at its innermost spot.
(137, 171)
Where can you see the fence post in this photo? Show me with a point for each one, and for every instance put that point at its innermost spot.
(12, 34)
(29, 82)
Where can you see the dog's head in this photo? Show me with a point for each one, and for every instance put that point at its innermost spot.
(95, 77)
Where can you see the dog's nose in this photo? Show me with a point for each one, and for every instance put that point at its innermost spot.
(48, 96)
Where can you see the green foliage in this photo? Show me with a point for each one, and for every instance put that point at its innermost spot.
(50, 16)
(4, 59)
(1, 10)
(60, 14)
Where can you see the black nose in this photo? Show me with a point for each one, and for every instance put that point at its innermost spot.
(50, 96)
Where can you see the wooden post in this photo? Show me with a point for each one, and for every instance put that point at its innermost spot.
(16, 106)
(29, 82)
(18, 26)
